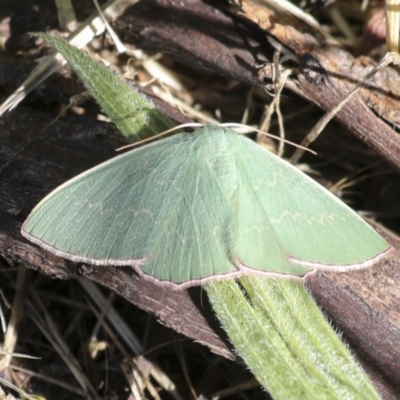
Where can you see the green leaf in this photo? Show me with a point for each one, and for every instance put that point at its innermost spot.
(133, 113)
(201, 205)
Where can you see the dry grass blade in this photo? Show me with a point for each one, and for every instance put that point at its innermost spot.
(342, 24)
(49, 379)
(392, 25)
(121, 327)
(22, 393)
(19, 355)
(235, 389)
(50, 331)
(135, 380)
(17, 313)
(115, 319)
(3, 396)
(182, 361)
(300, 14)
(118, 44)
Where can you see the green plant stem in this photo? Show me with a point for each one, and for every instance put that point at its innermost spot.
(285, 340)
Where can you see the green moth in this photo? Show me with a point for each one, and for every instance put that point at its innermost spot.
(200, 206)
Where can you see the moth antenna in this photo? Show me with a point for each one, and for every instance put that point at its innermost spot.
(187, 125)
(226, 124)
(238, 125)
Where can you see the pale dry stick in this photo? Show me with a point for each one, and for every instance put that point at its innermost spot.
(269, 110)
(133, 380)
(341, 24)
(279, 79)
(138, 376)
(246, 112)
(118, 44)
(352, 179)
(162, 74)
(11, 336)
(300, 14)
(165, 81)
(134, 376)
(364, 5)
(66, 15)
(183, 106)
(2, 317)
(277, 98)
(392, 27)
